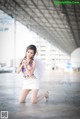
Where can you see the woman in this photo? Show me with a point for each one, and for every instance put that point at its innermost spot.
(31, 82)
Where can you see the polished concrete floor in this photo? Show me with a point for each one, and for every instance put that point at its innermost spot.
(64, 97)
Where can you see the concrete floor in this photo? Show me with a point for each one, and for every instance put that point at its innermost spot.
(64, 97)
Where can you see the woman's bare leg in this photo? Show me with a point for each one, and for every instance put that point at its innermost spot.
(23, 95)
(35, 98)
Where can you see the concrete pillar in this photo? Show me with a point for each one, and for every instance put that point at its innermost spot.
(75, 59)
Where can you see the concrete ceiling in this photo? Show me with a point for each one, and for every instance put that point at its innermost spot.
(59, 24)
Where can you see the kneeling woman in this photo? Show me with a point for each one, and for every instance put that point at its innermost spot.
(30, 82)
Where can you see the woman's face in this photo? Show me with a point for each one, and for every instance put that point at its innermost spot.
(30, 53)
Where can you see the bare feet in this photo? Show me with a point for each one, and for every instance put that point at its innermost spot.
(47, 96)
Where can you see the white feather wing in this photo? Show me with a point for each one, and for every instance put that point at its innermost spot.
(40, 67)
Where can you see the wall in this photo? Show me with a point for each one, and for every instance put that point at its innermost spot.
(6, 39)
(75, 58)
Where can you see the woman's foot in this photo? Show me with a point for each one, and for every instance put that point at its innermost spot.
(47, 96)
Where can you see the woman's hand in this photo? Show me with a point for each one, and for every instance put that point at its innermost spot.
(25, 63)
(22, 64)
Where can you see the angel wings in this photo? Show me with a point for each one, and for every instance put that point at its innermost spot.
(40, 67)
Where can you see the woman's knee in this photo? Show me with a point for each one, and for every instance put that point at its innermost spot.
(33, 101)
(21, 100)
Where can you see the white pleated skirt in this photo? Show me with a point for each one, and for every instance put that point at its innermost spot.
(31, 83)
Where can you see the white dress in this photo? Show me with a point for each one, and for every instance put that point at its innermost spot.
(34, 83)
(31, 83)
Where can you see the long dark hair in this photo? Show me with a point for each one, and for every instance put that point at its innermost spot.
(30, 47)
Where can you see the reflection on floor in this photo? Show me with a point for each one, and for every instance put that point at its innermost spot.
(64, 97)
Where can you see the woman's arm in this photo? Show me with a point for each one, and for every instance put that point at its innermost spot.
(19, 68)
(23, 63)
